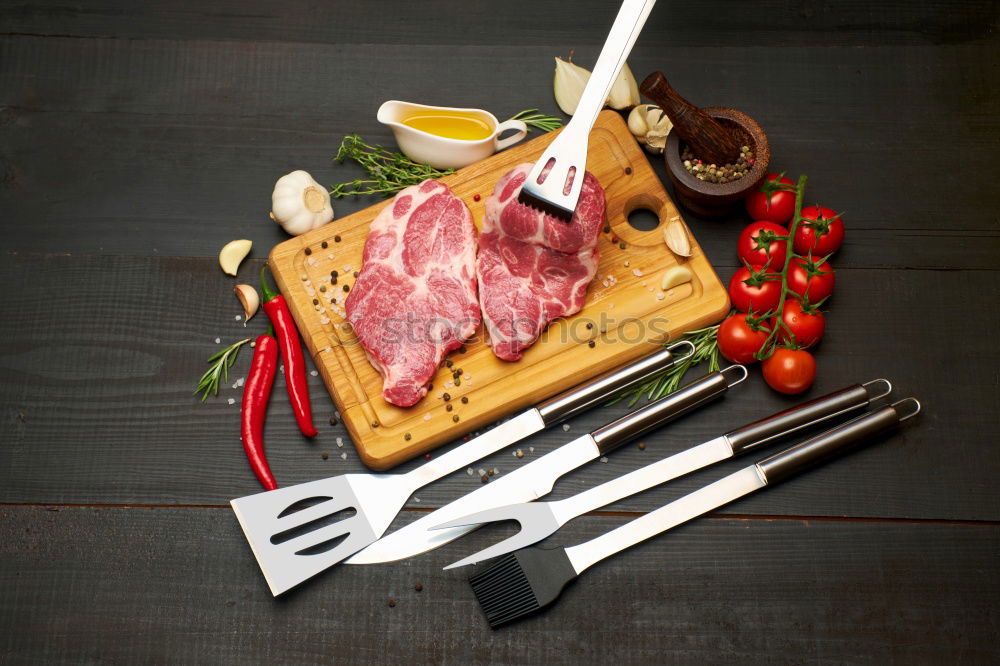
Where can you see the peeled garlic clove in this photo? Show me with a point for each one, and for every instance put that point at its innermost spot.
(232, 254)
(625, 91)
(675, 276)
(568, 84)
(249, 299)
(676, 237)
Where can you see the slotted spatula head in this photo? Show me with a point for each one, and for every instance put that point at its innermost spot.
(299, 531)
(553, 186)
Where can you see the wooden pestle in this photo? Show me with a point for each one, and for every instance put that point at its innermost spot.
(708, 140)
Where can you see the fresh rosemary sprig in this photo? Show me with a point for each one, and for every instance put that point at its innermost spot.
(221, 361)
(706, 348)
(539, 121)
(388, 172)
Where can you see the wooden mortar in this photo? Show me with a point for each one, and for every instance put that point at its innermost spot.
(715, 134)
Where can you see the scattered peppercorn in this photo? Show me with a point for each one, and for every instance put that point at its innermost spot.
(448, 363)
(333, 420)
(347, 287)
(427, 456)
(315, 301)
(308, 252)
(446, 397)
(336, 239)
(476, 197)
(589, 326)
(334, 274)
(458, 381)
(374, 424)
(465, 400)
(419, 586)
(491, 471)
(622, 245)
(628, 171)
(325, 455)
(322, 287)
(455, 418)
(484, 478)
(407, 436)
(324, 245)
(448, 407)
(607, 228)
(642, 446)
(355, 274)
(392, 603)
(591, 344)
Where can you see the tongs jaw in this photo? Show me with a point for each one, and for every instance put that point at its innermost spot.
(553, 186)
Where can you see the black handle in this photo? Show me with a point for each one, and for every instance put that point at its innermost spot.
(655, 414)
(832, 442)
(582, 397)
(790, 420)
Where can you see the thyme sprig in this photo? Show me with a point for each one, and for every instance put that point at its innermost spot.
(539, 121)
(221, 361)
(388, 172)
(706, 348)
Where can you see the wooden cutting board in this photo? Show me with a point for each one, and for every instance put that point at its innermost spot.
(626, 314)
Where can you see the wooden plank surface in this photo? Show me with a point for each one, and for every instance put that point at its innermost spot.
(137, 138)
(617, 324)
(101, 584)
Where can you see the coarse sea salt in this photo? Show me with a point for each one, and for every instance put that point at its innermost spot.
(343, 456)
(218, 340)
(427, 417)
(340, 442)
(231, 401)
(313, 373)
(237, 318)
(565, 427)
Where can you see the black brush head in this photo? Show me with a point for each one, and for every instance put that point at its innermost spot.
(545, 206)
(520, 583)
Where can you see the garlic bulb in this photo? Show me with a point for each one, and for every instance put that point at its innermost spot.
(650, 127)
(300, 204)
(570, 79)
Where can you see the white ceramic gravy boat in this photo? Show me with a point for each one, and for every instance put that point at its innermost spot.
(441, 152)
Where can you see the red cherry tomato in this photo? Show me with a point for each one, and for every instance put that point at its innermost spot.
(774, 200)
(789, 371)
(755, 289)
(806, 327)
(757, 245)
(740, 337)
(811, 279)
(820, 232)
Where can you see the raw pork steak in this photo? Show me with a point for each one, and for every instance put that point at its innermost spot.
(415, 298)
(534, 267)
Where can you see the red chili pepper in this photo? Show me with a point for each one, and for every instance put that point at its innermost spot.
(256, 394)
(291, 352)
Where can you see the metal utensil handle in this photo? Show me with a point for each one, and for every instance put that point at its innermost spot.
(582, 397)
(790, 420)
(663, 410)
(625, 30)
(832, 442)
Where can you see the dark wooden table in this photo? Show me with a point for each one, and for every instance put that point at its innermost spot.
(137, 138)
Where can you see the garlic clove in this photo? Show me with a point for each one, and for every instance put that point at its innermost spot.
(568, 84)
(637, 121)
(674, 277)
(625, 91)
(232, 254)
(249, 299)
(676, 237)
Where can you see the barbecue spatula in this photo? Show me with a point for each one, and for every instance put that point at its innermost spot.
(554, 183)
(299, 531)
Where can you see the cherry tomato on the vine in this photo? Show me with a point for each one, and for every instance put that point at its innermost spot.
(811, 279)
(806, 326)
(755, 289)
(763, 243)
(740, 337)
(820, 232)
(789, 371)
(774, 200)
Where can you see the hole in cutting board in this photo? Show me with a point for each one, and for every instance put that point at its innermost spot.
(643, 219)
